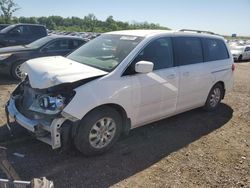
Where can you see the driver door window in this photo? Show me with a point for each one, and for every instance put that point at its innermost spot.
(17, 31)
(159, 52)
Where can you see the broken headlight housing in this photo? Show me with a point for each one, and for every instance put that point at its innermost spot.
(50, 104)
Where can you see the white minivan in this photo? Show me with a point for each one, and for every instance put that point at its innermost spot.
(119, 81)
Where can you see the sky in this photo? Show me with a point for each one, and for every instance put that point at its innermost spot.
(221, 16)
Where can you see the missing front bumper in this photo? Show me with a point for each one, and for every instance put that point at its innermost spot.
(53, 137)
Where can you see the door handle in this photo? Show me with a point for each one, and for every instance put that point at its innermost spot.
(186, 74)
(171, 76)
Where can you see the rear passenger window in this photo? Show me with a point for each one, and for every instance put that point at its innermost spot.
(37, 31)
(73, 44)
(188, 50)
(214, 49)
(58, 45)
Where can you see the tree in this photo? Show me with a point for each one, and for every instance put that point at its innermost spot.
(50, 24)
(111, 24)
(90, 22)
(8, 7)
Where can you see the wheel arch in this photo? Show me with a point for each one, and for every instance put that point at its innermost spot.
(21, 61)
(126, 122)
(223, 86)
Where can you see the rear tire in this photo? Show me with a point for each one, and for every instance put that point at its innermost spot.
(98, 131)
(214, 97)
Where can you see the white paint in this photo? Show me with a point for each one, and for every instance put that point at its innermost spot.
(240, 50)
(51, 71)
(144, 67)
(145, 97)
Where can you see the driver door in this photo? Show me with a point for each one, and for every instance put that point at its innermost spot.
(154, 95)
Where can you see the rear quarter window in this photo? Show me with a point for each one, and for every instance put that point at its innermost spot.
(73, 44)
(37, 31)
(188, 50)
(214, 49)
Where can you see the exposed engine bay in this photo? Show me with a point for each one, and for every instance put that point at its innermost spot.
(41, 103)
(41, 110)
(45, 103)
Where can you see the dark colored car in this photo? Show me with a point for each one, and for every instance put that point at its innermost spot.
(11, 58)
(20, 34)
(2, 26)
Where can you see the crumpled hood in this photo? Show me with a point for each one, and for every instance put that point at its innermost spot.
(51, 71)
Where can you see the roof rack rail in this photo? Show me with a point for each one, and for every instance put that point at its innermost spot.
(197, 31)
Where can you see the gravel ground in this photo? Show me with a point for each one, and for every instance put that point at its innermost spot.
(193, 149)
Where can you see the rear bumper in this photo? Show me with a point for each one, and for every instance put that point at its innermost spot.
(51, 129)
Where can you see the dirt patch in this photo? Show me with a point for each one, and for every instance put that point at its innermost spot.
(193, 149)
(6, 87)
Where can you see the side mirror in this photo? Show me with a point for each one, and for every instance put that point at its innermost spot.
(144, 67)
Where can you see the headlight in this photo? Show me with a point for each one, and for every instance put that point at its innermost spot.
(47, 104)
(4, 56)
(52, 103)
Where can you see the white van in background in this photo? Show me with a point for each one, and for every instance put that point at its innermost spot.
(240, 52)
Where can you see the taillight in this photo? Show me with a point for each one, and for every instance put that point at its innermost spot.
(233, 67)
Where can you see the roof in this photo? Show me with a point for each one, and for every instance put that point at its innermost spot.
(65, 36)
(146, 33)
(139, 33)
(29, 24)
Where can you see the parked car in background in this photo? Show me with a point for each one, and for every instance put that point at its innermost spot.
(20, 34)
(93, 95)
(85, 35)
(12, 57)
(2, 26)
(240, 52)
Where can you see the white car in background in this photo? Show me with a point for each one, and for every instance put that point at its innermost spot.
(94, 94)
(240, 52)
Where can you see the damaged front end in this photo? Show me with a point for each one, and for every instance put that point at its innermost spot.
(40, 110)
(37, 103)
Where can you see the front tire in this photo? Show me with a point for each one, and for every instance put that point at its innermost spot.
(16, 73)
(214, 97)
(98, 131)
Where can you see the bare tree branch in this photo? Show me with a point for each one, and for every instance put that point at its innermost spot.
(8, 7)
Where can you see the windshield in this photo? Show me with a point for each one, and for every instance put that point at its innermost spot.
(40, 42)
(106, 51)
(7, 29)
